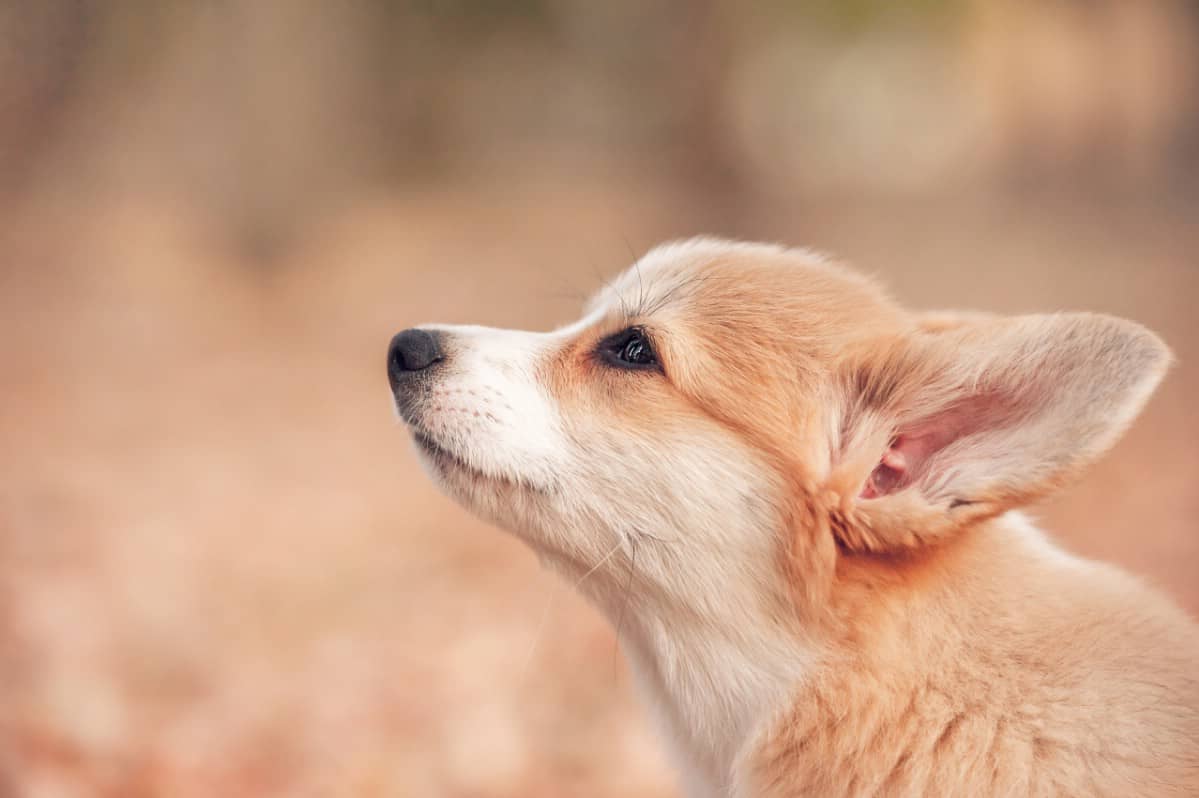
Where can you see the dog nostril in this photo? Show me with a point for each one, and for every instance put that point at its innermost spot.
(413, 350)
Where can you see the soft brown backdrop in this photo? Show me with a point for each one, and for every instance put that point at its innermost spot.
(221, 570)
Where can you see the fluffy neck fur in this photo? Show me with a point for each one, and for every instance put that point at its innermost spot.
(715, 657)
(725, 682)
(711, 687)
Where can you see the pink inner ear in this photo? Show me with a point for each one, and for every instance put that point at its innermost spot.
(909, 456)
(893, 472)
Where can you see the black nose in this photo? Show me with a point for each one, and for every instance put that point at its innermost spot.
(412, 350)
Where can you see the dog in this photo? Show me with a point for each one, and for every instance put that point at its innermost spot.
(799, 502)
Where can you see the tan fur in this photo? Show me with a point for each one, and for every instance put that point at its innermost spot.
(866, 614)
(981, 670)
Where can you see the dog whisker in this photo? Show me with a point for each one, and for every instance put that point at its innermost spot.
(624, 606)
(549, 605)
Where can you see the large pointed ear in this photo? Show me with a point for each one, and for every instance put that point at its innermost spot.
(967, 417)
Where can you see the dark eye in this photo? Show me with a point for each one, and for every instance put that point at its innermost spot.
(629, 349)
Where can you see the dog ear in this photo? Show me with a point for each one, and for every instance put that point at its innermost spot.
(969, 416)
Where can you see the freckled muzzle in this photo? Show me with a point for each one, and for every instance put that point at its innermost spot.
(473, 400)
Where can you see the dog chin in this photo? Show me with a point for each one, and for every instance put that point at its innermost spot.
(441, 459)
(489, 496)
(452, 473)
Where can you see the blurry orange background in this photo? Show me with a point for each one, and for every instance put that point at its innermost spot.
(221, 569)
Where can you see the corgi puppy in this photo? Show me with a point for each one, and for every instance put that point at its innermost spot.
(799, 502)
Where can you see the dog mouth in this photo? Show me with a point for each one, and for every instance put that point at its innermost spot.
(440, 455)
(447, 462)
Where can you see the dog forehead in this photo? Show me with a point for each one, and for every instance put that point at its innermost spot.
(705, 276)
(677, 271)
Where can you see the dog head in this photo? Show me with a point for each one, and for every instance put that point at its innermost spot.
(737, 417)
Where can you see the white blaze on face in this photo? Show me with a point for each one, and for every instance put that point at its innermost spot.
(491, 410)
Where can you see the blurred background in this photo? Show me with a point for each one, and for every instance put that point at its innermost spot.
(221, 569)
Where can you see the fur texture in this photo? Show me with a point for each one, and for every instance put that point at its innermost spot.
(803, 522)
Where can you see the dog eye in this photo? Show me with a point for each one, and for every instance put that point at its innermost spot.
(629, 349)
(636, 350)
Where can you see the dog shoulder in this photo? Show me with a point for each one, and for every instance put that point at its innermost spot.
(1020, 669)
